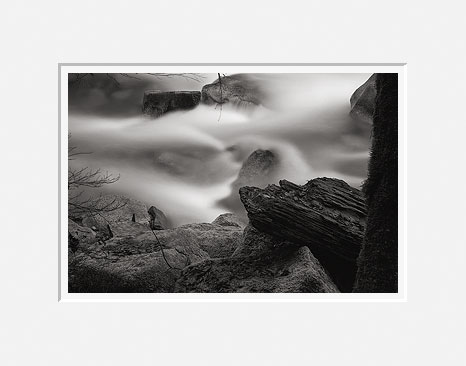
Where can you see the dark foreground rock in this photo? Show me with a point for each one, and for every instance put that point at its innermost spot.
(132, 261)
(363, 101)
(239, 90)
(279, 271)
(378, 261)
(326, 215)
(157, 103)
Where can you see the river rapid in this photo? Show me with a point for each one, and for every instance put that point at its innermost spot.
(184, 162)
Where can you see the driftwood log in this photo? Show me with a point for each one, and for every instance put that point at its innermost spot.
(326, 215)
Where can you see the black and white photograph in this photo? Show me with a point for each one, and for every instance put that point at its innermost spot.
(232, 182)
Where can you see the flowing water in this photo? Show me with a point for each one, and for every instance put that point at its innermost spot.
(184, 162)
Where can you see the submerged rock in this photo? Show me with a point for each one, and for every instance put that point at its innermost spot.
(157, 103)
(363, 101)
(326, 215)
(258, 170)
(279, 271)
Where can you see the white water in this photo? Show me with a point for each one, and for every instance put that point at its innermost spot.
(181, 163)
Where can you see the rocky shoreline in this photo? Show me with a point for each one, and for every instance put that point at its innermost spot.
(270, 254)
(316, 237)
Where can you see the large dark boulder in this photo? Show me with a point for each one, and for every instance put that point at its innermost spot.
(239, 90)
(326, 215)
(157, 103)
(260, 263)
(280, 271)
(363, 101)
(378, 261)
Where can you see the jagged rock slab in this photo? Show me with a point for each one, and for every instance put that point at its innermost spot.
(325, 214)
(292, 270)
(363, 101)
(156, 103)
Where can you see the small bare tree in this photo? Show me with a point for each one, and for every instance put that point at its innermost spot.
(78, 206)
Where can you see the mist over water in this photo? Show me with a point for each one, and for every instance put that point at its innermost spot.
(184, 162)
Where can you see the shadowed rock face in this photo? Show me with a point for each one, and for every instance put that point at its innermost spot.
(378, 261)
(326, 215)
(235, 89)
(285, 270)
(363, 101)
(157, 103)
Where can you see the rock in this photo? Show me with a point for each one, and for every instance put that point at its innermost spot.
(378, 260)
(256, 242)
(135, 263)
(158, 221)
(215, 239)
(239, 90)
(157, 103)
(73, 243)
(293, 270)
(147, 272)
(81, 233)
(325, 214)
(363, 101)
(229, 219)
(258, 170)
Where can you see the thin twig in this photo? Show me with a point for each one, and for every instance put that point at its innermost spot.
(163, 254)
